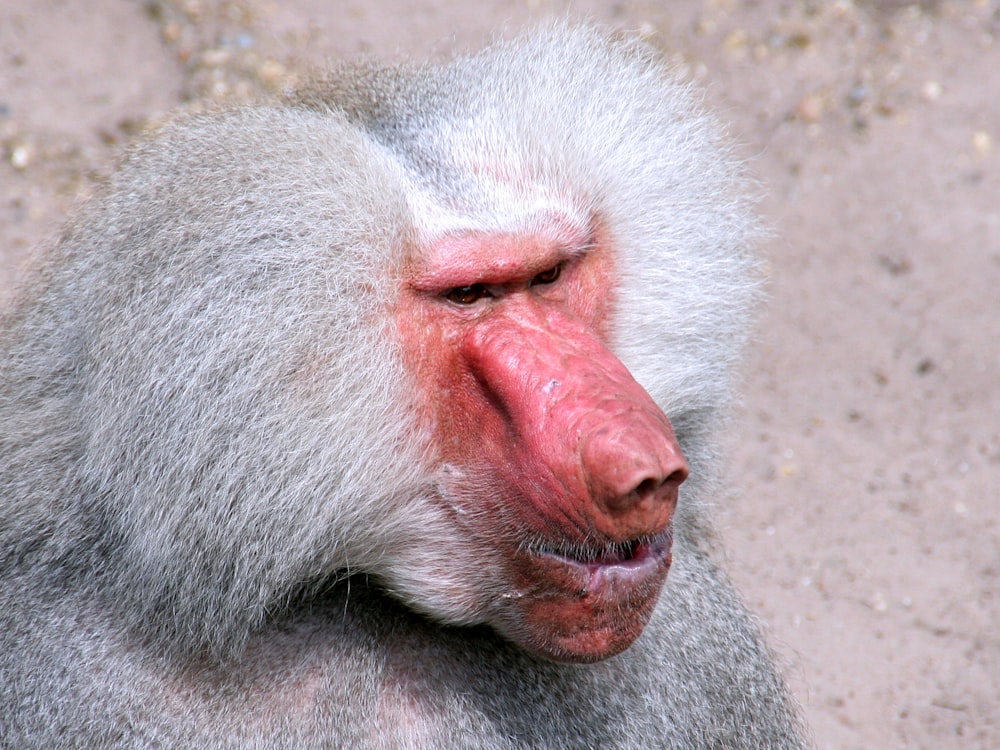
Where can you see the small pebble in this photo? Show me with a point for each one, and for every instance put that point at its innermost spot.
(810, 108)
(931, 91)
(982, 142)
(21, 156)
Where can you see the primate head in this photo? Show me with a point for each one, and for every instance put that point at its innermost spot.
(464, 329)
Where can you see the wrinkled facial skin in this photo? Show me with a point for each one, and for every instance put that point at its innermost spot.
(556, 458)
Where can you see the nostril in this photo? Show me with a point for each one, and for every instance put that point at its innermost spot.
(677, 477)
(650, 485)
(647, 487)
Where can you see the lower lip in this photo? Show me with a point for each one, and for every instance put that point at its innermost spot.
(649, 561)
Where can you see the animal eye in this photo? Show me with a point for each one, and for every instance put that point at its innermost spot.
(467, 295)
(547, 277)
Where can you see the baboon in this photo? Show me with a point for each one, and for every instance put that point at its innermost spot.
(375, 416)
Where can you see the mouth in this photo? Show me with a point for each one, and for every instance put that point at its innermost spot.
(583, 602)
(587, 568)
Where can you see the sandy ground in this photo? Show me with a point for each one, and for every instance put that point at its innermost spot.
(864, 526)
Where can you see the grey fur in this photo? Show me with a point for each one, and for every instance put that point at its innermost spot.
(220, 526)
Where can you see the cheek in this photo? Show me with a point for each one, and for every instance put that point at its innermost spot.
(445, 394)
(591, 292)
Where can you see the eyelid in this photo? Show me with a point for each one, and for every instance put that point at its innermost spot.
(469, 294)
(542, 278)
(457, 295)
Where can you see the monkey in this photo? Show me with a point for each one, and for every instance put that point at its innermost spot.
(384, 414)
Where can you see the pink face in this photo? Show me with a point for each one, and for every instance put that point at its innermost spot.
(559, 461)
